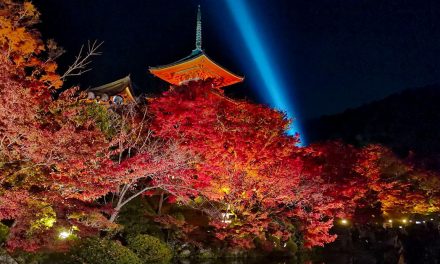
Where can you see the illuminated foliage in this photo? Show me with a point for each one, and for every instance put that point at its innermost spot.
(260, 180)
(44, 149)
(71, 166)
(22, 45)
(60, 157)
(413, 190)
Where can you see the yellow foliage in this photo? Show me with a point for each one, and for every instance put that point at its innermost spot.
(46, 216)
(225, 190)
(198, 200)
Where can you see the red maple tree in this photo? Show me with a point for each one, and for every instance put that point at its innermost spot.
(61, 157)
(68, 164)
(258, 175)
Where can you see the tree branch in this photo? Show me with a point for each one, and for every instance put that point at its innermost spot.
(82, 60)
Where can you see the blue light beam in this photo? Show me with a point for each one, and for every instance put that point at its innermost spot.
(265, 67)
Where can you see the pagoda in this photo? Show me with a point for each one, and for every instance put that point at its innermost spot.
(196, 66)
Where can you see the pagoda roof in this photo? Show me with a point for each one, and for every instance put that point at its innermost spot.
(196, 66)
(115, 87)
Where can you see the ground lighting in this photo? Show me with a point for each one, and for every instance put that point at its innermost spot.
(64, 234)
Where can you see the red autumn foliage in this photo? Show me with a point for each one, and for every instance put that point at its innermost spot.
(25, 99)
(256, 172)
(60, 159)
(58, 156)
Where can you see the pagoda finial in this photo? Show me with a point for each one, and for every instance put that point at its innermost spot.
(199, 30)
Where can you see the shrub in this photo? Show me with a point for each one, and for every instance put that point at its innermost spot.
(103, 251)
(4, 231)
(22, 257)
(135, 219)
(292, 247)
(150, 249)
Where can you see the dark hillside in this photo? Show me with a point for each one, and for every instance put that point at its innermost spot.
(407, 122)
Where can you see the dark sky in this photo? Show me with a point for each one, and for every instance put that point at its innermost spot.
(332, 54)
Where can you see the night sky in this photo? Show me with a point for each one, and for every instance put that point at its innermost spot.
(331, 54)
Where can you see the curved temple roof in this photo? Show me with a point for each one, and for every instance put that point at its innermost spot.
(116, 87)
(196, 66)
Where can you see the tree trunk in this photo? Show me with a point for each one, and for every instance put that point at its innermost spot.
(114, 215)
(159, 210)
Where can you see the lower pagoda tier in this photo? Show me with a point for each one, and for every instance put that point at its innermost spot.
(196, 66)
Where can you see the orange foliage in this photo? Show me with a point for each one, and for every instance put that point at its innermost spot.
(21, 44)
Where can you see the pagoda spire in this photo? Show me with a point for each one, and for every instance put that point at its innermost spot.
(199, 30)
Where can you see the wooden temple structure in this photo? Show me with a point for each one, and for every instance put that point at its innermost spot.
(196, 66)
(117, 92)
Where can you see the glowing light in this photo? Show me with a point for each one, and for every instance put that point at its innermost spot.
(432, 219)
(260, 54)
(400, 226)
(418, 222)
(64, 234)
(390, 221)
(226, 217)
(404, 221)
(344, 221)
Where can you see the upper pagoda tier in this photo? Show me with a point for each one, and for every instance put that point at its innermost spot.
(196, 66)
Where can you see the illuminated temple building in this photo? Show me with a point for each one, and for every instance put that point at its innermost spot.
(196, 66)
(117, 92)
